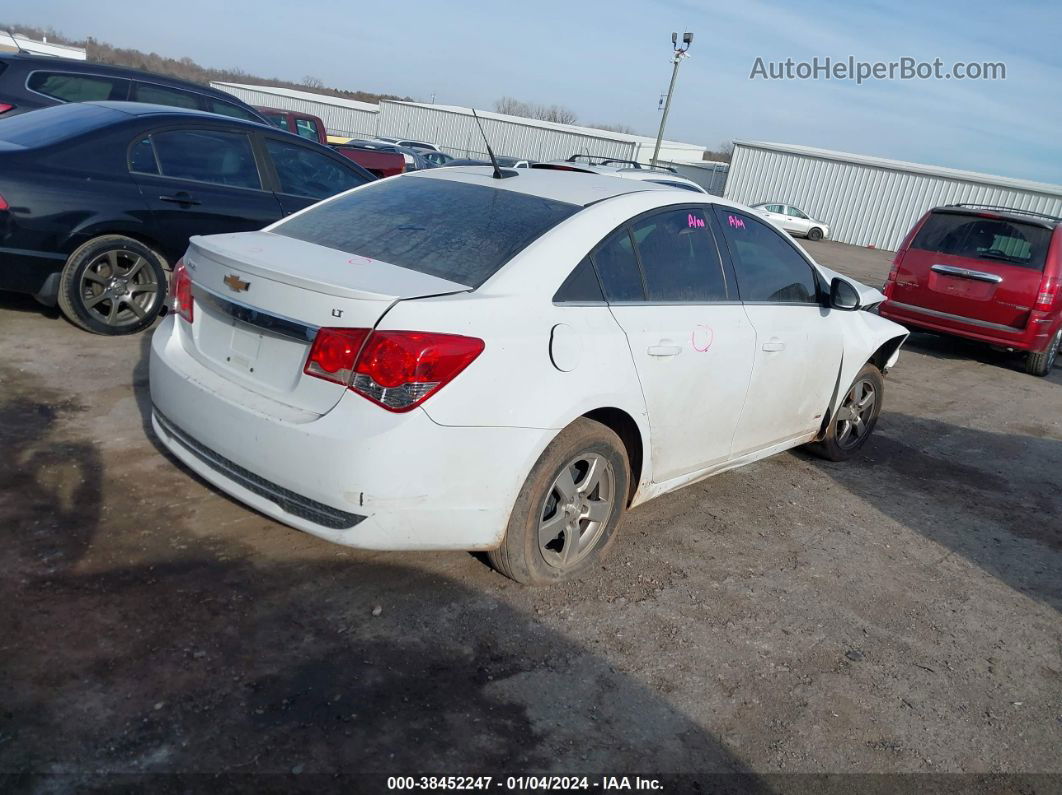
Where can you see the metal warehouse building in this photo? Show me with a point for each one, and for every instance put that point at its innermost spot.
(869, 201)
(345, 117)
(454, 130)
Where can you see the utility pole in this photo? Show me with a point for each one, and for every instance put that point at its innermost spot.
(680, 53)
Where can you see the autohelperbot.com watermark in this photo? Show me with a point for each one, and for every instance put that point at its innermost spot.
(851, 68)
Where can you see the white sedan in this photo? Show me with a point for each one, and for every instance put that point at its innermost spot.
(793, 220)
(449, 360)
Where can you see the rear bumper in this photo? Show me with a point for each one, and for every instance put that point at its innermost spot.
(1034, 337)
(357, 475)
(23, 271)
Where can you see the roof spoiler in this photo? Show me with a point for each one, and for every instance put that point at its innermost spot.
(1003, 209)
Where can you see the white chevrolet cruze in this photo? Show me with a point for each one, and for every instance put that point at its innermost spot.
(449, 360)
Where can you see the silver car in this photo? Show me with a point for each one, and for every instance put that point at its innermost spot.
(793, 220)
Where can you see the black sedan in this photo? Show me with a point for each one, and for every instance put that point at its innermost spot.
(98, 199)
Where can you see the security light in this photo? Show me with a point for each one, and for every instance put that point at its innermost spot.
(687, 38)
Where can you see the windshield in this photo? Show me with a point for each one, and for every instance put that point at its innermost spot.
(994, 239)
(453, 230)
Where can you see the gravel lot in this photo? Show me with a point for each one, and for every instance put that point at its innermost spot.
(895, 614)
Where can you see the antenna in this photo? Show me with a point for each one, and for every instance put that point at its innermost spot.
(498, 173)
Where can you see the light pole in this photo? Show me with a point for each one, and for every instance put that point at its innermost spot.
(680, 53)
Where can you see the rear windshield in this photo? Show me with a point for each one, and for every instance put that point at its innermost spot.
(995, 240)
(453, 230)
(49, 125)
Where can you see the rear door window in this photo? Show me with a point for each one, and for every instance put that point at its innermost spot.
(303, 172)
(992, 239)
(162, 95)
(453, 230)
(70, 87)
(307, 128)
(222, 158)
(679, 258)
(617, 265)
(768, 267)
(228, 109)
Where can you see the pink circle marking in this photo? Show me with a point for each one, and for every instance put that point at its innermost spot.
(701, 338)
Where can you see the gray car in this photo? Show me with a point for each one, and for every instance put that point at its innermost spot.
(793, 220)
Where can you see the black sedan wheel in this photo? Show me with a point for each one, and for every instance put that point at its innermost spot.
(113, 285)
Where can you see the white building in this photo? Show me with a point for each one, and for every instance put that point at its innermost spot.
(454, 130)
(870, 201)
(342, 117)
(16, 42)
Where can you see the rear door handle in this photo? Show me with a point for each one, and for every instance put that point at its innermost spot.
(774, 345)
(664, 350)
(180, 198)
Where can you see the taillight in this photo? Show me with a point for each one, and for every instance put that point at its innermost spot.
(1045, 296)
(3, 204)
(397, 370)
(334, 353)
(181, 289)
(890, 280)
(4, 107)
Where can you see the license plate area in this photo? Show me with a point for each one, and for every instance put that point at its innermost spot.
(961, 287)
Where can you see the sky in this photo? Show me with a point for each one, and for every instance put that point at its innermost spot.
(611, 61)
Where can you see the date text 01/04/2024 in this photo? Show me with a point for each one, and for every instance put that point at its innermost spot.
(523, 783)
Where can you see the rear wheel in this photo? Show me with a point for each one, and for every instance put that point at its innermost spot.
(814, 233)
(567, 512)
(1041, 363)
(855, 418)
(112, 285)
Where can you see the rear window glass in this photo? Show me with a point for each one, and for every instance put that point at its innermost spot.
(453, 230)
(996, 240)
(57, 123)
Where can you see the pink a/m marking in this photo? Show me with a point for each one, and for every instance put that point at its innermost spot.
(735, 222)
(695, 222)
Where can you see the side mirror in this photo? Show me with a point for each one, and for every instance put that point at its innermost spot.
(843, 295)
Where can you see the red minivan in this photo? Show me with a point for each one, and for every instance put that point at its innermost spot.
(985, 273)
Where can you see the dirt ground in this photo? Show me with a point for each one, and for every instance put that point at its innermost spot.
(895, 614)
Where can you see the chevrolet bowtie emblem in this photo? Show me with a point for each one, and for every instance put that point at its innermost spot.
(235, 283)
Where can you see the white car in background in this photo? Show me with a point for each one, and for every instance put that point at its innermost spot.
(409, 144)
(793, 220)
(448, 360)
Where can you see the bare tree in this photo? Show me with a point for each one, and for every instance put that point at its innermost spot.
(313, 82)
(512, 107)
(556, 113)
(517, 107)
(620, 128)
(722, 154)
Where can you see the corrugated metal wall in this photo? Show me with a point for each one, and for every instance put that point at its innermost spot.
(863, 204)
(339, 120)
(710, 175)
(456, 133)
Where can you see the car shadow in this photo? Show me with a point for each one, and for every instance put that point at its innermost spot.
(942, 346)
(20, 302)
(152, 650)
(992, 498)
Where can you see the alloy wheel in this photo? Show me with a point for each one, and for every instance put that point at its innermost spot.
(118, 288)
(853, 418)
(576, 510)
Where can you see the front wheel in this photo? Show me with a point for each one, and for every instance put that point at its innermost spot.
(1041, 363)
(112, 285)
(814, 233)
(851, 424)
(569, 508)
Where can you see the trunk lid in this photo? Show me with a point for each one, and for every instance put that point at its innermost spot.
(259, 299)
(978, 265)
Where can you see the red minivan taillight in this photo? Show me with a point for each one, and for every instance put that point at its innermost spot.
(1045, 295)
(890, 280)
(5, 107)
(181, 289)
(397, 370)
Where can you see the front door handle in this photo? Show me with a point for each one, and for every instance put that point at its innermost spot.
(774, 345)
(664, 350)
(180, 198)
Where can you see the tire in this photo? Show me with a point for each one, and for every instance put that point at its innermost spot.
(1041, 363)
(845, 435)
(112, 285)
(814, 234)
(535, 550)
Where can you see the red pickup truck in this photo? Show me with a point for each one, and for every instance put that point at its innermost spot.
(382, 164)
(305, 124)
